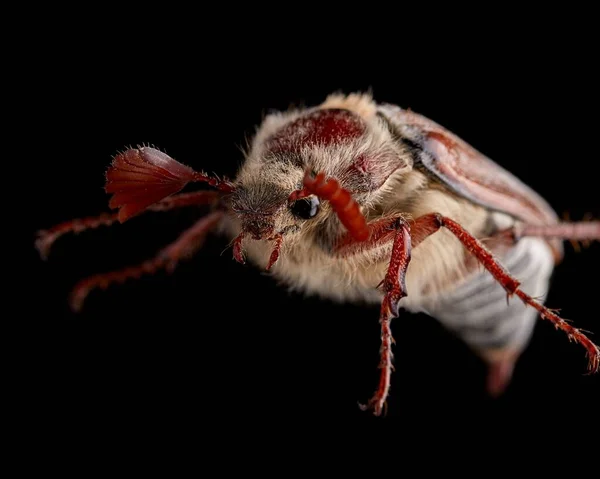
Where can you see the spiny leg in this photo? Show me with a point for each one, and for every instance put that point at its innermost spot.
(394, 286)
(46, 238)
(360, 235)
(189, 242)
(577, 231)
(382, 231)
(426, 225)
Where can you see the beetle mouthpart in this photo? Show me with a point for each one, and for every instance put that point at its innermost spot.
(238, 249)
(277, 239)
(258, 226)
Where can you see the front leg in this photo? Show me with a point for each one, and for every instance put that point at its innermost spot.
(394, 286)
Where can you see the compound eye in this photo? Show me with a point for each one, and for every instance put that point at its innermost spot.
(306, 208)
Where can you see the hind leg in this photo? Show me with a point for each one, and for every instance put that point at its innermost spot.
(578, 231)
(426, 225)
(575, 232)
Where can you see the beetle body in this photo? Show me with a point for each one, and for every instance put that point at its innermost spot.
(309, 262)
(401, 212)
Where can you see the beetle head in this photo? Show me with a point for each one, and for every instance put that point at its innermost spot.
(269, 208)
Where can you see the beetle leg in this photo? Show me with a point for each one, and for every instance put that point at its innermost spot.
(184, 246)
(394, 286)
(379, 232)
(382, 231)
(580, 232)
(426, 225)
(575, 231)
(46, 238)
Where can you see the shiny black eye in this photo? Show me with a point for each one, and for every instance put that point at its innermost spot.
(306, 208)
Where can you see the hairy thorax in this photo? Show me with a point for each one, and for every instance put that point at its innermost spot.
(438, 264)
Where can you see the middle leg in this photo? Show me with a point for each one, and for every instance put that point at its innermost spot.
(46, 238)
(184, 246)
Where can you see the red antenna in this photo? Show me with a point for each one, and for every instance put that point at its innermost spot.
(140, 177)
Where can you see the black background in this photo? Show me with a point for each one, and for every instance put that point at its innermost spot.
(221, 340)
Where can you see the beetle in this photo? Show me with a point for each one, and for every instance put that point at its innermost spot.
(353, 201)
